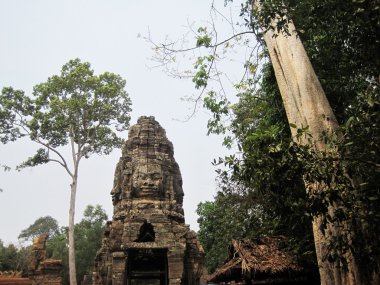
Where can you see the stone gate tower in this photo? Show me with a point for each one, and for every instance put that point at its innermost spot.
(147, 242)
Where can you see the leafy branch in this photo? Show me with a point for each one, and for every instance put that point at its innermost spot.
(207, 54)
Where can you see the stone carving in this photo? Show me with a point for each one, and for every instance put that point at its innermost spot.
(147, 241)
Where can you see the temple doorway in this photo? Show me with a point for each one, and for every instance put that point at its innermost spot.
(147, 266)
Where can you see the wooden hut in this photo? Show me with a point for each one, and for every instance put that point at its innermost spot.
(260, 261)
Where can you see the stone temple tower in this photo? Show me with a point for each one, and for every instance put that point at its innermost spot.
(147, 242)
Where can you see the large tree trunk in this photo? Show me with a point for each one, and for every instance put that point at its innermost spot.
(306, 105)
(72, 267)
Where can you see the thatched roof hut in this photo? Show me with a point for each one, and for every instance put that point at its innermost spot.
(260, 261)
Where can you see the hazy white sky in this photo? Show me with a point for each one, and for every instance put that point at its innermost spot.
(37, 37)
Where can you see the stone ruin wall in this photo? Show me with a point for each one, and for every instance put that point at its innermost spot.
(147, 196)
(43, 271)
(13, 278)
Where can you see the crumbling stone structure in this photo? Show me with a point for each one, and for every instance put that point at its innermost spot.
(43, 271)
(13, 278)
(147, 241)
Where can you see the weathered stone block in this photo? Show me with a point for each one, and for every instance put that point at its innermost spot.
(43, 271)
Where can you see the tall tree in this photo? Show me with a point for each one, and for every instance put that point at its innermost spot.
(306, 105)
(76, 109)
(336, 35)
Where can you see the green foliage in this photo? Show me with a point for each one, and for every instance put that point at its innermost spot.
(41, 157)
(13, 103)
(336, 35)
(219, 109)
(8, 254)
(14, 258)
(342, 42)
(351, 179)
(261, 188)
(57, 247)
(88, 238)
(94, 215)
(74, 107)
(202, 74)
(203, 38)
(270, 166)
(89, 234)
(230, 216)
(43, 225)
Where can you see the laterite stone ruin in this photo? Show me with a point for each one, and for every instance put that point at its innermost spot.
(147, 242)
(43, 271)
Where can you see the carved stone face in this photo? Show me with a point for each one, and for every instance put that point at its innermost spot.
(147, 180)
(115, 195)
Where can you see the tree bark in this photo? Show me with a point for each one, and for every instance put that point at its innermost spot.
(306, 105)
(72, 263)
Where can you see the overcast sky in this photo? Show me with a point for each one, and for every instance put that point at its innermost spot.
(37, 37)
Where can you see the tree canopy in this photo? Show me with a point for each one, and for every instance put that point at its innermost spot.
(77, 110)
(43, 225)
(13, 258)
(75, 107)
(342, 43)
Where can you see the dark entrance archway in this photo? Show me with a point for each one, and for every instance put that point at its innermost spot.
(147, 266)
